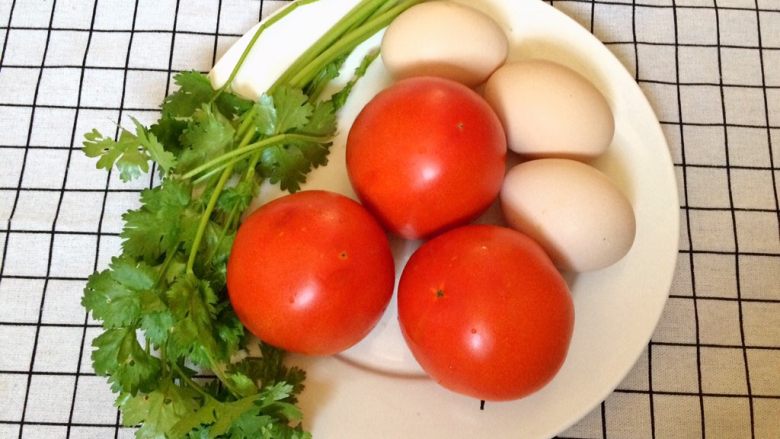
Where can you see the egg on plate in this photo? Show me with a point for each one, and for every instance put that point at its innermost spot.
(573, 210)
(444, 39)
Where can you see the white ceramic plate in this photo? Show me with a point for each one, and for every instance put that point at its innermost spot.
(376, 389)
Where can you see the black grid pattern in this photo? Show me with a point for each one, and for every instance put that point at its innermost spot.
(711, 69)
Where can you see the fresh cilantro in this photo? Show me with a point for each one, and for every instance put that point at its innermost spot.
(194, 91)
(324, 77)
(191, 302)
(340, 98)
(119, 295)
(163, 302)
(237, 197)
(131, 153)
(265, 116)
(159, 410)
(293, 109)
(155, 228)
(207, 136)
(168, 130)
(130, 367)
(322, 121)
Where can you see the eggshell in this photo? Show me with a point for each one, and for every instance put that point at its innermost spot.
(445, 39)
(574, 211)
(549, 110)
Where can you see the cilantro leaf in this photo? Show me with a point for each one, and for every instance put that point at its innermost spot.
(191, 302)
(293, 109)
(156, 326)
(232, 105)
(288, 109)
(219, 415)
(208, 135)
(110, 301)
(242, 383)
(284, 164)
(155, 227)
(331, 71)
(238, 197)
(269, 369)
(288, 164)
(230, 332)
(194, 91)
(265, 115)
(136, 276)
(322, 121)
(153, 147)
(131, 153)
(130, 367)
(119, 295)
(168, 130)
(158, 410)
(340, 98)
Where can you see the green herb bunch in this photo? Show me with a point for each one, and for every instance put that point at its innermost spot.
(163, 302)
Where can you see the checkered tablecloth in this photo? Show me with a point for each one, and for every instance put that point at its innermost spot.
(710, 68)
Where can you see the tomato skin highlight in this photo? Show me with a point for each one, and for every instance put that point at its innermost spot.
(485, 312)
(310, 272)
(426, 154)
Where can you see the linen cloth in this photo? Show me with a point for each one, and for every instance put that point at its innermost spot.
(710, 68)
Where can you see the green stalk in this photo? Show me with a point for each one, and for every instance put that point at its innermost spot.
(249, 118)
(242, 151)
(357, 15)
(223, 231)
(214, 366)
(348, 43)
(263, 26)
(168, 258)
(163, 361)
(206, 216)
(192, 384)
(211, 173)
(384, 7)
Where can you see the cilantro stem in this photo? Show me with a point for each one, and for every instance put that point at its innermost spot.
(163, 360)
(348, 43)
(212, 173)
(248, 119)
(215, 367)
(240, 152)
(206, 216)
(354, 17)
(263, 26)
(168, 259)
(186, 379)
(227, 224)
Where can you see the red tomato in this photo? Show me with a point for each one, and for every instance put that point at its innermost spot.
(426, 154)
(485, 312)
(310, 272)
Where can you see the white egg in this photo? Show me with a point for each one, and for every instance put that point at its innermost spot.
(574, 211)
(549, 110)
(444, 39)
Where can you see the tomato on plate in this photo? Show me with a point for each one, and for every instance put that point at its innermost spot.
(485, 312)
(426, 154)
(310, 272)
